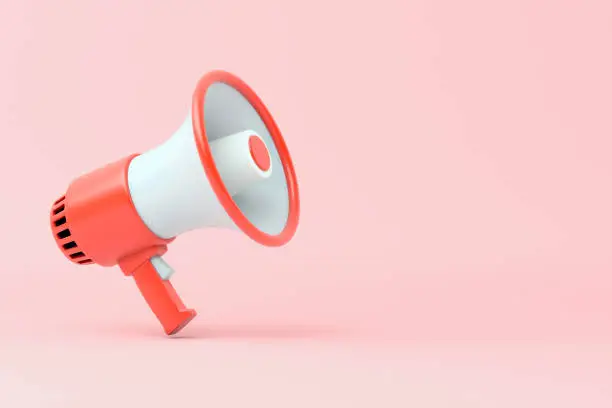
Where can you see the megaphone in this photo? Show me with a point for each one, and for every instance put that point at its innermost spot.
(227, 166)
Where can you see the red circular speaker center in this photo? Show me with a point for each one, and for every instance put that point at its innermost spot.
(259, 153)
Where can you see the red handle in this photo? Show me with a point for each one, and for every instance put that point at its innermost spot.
(158, 293)
(162, 299)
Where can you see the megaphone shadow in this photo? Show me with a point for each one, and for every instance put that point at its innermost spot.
(259, 332)
(203, 331)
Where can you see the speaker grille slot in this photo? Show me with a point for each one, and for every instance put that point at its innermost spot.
(59, 222)
(64, 233)
(61, 229)
(69, 245)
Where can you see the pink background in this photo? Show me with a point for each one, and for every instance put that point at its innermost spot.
(454, 165)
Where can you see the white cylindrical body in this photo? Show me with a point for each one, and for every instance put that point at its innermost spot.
(169, 187)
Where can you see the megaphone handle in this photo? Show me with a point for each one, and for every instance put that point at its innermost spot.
(162, 298)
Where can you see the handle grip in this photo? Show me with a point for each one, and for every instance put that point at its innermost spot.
(161, 297)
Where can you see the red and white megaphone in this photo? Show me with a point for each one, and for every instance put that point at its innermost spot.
(226, 166)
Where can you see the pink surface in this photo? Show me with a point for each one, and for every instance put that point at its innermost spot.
(454, 165)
